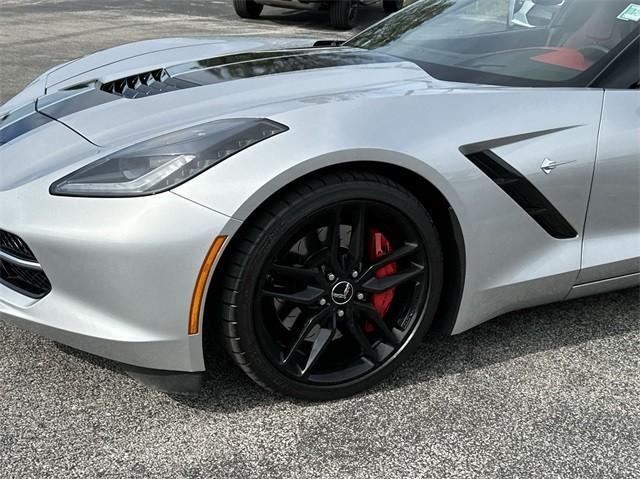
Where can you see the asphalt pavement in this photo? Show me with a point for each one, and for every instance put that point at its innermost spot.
(548, 392)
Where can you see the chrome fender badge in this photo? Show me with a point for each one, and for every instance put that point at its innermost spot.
(549, 165)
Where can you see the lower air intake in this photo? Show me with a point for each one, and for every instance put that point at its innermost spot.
(19, 269)
(13, 245)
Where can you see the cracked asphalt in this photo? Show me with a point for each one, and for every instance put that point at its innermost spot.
(549, 392)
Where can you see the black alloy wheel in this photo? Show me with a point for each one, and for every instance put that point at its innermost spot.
(329, 287)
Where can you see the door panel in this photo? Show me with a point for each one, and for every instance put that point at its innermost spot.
(612, 229)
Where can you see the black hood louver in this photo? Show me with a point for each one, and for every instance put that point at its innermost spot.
(146, 84)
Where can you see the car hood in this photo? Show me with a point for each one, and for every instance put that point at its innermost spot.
(114, 102)
(123, 96)
(148, 54)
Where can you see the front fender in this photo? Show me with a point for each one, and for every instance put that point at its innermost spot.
(240, 199)
(511, 261)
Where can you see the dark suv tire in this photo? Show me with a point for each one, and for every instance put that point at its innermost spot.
(247, 8)
(343, 14)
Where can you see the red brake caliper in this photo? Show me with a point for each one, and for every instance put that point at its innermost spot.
(380, 246)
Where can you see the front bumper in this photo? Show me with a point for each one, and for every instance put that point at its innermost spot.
(122, 272)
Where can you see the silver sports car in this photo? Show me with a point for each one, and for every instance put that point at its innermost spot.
(317, 209)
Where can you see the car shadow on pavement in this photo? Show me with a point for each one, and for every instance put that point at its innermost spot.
(521, 333)
(510, 336)
(514, 335)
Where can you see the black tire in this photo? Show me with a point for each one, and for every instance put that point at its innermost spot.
(248, 8)
(343, 14)
(391, 6)
(245, 274)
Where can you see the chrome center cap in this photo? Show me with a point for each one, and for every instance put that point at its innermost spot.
(342, 293)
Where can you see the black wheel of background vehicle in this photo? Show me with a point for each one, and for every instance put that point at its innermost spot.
(330, 286)
(343, 14)
(391, 6)
(247, 8)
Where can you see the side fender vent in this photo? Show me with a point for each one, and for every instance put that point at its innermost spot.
(523, 192)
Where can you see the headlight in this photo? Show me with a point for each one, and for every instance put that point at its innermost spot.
(165, 162)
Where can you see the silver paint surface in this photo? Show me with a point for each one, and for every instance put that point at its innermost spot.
(123, 270)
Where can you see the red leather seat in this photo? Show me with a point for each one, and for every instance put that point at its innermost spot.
(603, 28)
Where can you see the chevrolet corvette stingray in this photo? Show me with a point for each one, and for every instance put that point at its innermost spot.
(315, 208)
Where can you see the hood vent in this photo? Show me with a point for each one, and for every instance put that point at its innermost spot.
(146, 84)
(239, 66)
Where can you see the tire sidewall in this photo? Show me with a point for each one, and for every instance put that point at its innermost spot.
(340, 14)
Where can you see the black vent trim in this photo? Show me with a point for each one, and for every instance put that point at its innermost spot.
(146, 84)
(523, 192)
(28, 282)
(208, 72)
(15, 246)
(19, 269)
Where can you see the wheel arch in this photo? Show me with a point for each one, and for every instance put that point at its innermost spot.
(432, 199)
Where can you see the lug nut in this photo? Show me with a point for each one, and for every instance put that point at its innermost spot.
(340, 313)
(360, 296)
(354, 275)
(331, 277)
(323, 302)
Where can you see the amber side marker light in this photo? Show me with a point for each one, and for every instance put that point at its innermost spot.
(201, 284)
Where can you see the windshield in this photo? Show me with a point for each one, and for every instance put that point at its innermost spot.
(508, 42)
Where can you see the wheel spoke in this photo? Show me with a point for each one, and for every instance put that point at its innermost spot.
(380, 285)
(372, 314)
(286, 309)
(325, 335)
(307, 296)
(401, 253)
(306, 330)
(360, 337)
(356, 243)
(312, 242)
(333, 240)
(294, 258)
(302, 274)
